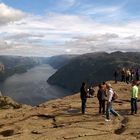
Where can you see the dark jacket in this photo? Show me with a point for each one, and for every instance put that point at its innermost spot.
(101, 95)
(83, 93)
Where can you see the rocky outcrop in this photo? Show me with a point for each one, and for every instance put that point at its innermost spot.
(7, 102)
(62, 119)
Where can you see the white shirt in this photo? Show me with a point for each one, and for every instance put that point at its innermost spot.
(110, 94)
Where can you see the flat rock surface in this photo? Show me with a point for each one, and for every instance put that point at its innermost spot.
(62, 119)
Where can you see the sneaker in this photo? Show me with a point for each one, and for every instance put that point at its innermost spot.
(107, 120)
(118, 115)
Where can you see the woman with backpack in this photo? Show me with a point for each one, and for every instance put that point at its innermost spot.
(110, 109)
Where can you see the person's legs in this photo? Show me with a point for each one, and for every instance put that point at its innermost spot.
(108, 110)
(135, 106)
(132, 105)
(114, 112)
(115, 79)
(100, 106)
(122, 79)
(103, 106)
(83, 105)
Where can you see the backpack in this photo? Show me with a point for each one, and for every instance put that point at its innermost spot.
(115, 96)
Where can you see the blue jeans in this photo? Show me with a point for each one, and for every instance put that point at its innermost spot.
(83, 105)
(133, 105)
(110, 109)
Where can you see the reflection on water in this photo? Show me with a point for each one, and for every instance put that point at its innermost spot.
(31, 87)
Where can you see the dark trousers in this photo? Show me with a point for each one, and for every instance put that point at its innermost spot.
(115, 79)
(137, 77)
(127, 79)
(133, 105)
(102, 106)
(83, 107)
(123, 78)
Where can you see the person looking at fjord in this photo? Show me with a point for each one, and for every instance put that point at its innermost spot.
(83, 95)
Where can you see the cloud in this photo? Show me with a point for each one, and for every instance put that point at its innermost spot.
(57, 33)
(104, 42)
(4, 45)
(9, 14)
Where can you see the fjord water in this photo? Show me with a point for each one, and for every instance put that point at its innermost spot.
(31, 87)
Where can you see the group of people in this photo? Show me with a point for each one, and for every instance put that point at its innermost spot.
(127, 75)
(106, 96)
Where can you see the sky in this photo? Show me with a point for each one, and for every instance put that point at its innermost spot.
(55, 27)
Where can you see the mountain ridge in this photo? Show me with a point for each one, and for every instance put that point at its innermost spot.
(93, 68)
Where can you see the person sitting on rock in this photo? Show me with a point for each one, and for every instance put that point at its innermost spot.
(83, 95)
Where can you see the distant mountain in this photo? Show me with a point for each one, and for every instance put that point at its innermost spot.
(93, 68)
(20, 64)
(17, 64)
(59, 60)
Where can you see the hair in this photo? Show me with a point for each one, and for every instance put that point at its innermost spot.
(83, 83)
(104, 83)
(109, 85)
(100, 85)
(134, 82)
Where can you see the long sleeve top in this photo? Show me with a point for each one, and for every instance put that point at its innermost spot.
(110, 95)
(134, 92)
(83, 92)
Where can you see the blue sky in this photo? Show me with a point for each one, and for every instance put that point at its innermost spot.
(52, 27)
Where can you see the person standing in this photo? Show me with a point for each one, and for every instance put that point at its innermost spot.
(109, 108)
(123, 75)
(128, 74)
(132, 74)
(137, 74)
(134, 96)
(83, 95)
(115, 76)
(101, 95)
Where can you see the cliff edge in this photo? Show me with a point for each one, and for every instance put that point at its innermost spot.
(62, 119)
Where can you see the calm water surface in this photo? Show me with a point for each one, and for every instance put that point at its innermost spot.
(31, 87)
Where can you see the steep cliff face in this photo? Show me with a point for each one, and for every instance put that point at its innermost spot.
(93, 68)
(60, 60)
(10, 65)
(62, 119)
